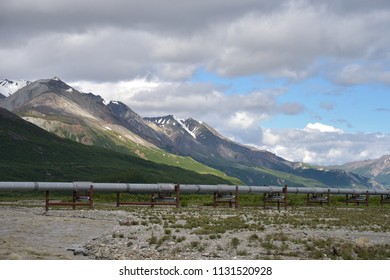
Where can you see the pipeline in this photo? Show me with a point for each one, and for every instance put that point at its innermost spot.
(185, 188)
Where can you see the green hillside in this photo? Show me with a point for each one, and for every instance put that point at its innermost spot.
(77, 130)
(29, 153)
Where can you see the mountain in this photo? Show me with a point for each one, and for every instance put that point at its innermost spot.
(133, 122)
(203, 143)
(190, 144)
(377, 169)
(28, 152)
(8, 87)
(84, 117)
(59, 108)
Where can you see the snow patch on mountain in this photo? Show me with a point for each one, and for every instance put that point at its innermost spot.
(8, 87)
(185, 127)
(174, 121)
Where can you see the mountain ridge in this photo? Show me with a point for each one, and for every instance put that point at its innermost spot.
(28, 152)
(83, 117)
(8, 87)
(114, 125)
(378, 169)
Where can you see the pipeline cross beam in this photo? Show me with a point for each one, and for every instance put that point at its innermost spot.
(162, 198)
(78, 199)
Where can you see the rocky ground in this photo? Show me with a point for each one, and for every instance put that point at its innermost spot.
(195, 233)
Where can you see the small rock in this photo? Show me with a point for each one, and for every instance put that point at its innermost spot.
(80, 251)
(362, 242)
(118, 234)
(124, 223)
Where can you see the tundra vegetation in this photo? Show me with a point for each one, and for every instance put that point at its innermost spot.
(198, 231)
(253, 233)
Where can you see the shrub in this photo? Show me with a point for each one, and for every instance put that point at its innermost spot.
(235, 242)
(152, 239)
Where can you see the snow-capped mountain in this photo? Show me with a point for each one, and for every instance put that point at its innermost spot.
(172, 120)
(202, 142)
(8, 87)
(61, 109)
(89, 119)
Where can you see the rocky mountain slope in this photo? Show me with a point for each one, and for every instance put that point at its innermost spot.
(29, 153)
(199, 140)
(61, 109)
(86, 118)
(378, 169)
(203, 143)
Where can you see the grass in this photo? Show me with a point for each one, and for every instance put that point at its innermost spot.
(152, 239)
(29, 153)
(253, 233)
(114, 142)
(256, 224)
(251, 201)
(333, 248)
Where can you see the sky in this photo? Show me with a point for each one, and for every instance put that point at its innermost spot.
(306, 80)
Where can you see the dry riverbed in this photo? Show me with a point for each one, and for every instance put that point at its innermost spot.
(194, 233)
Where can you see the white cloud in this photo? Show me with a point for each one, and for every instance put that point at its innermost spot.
(119, 90)
(156, 97)
(237, 116)
(271, 139)
(325, 145)
(322, 128)
(244, 120)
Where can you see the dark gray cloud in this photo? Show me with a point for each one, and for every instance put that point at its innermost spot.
(119, 40)
(167, 16)
(146, 52)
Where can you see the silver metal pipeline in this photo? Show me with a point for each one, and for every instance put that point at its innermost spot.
(184, 188)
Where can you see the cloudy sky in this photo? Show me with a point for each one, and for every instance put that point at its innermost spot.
(307, 80)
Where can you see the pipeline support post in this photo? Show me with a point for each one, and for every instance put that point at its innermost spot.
(226, 198)
(87, 199)
(166, 198)
(385, 199)
(276, 197)
(357, 198)
(318, 198)
(156, 198)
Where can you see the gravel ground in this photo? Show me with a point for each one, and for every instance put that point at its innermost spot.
(190, 233)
